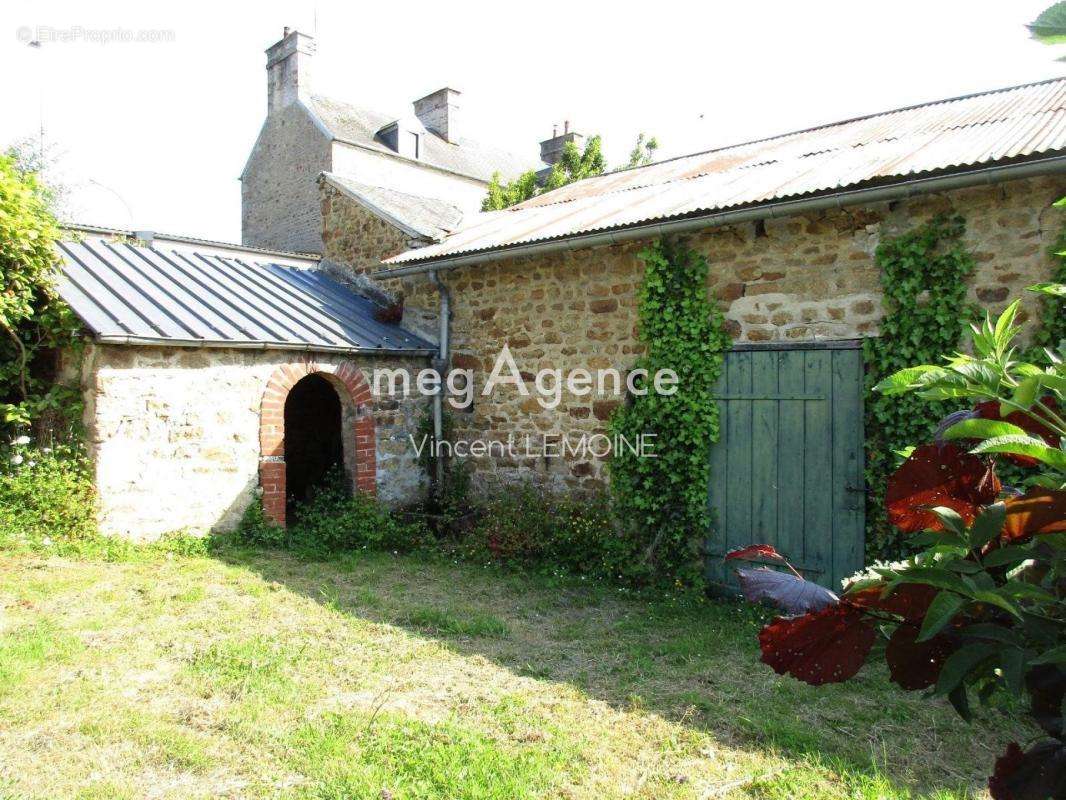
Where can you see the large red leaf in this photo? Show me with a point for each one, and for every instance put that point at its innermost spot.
(1037, 511)
(916, 665)
(827, 646)
(908, 600)
(755, 552)
(1037, 774)
(938, 475)
(790, 593)
(990, 410)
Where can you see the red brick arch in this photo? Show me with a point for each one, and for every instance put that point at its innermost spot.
(357, 431)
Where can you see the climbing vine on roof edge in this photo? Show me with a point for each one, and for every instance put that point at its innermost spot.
(923, 275)
(662, 501)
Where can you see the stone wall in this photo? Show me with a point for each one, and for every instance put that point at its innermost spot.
(355, 237)
(797, 279)
(279, 191)
(174, 434)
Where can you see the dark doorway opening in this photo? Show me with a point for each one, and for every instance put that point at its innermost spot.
(312, 436)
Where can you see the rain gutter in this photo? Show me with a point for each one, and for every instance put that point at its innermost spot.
(773, 210)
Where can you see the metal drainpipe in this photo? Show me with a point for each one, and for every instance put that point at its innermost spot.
(440, 364)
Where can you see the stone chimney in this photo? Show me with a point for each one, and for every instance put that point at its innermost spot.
(289, 70)
(551, 150)
(439, 112)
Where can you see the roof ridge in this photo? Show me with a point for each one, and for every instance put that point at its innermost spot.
(392, 117)
(330, 175)
(797, 132)
(191, 240)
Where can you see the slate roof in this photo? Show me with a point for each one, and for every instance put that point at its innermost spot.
(974, 131)
(419, 217)
(216, 295)
(358, 126)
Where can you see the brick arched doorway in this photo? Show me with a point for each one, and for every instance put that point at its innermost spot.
(357, 429)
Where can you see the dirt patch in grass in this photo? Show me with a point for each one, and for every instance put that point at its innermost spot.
(257, 675)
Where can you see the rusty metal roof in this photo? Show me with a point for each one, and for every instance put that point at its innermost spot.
(185, 294)
(976, 130)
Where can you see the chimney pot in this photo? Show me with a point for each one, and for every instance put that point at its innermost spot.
(289, 70)
(439, 112)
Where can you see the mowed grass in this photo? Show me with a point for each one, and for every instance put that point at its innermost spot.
(256, 675)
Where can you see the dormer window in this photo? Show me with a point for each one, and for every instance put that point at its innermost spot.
(403, 137)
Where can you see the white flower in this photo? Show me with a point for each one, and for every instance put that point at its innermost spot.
(16, 459)
(46, 541)
(21, 440)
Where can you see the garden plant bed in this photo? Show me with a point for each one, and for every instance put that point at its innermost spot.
(254, 674)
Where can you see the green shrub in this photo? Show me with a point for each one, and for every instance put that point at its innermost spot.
(256, 528)
(333, 519)
(529, 527)
(46, 495)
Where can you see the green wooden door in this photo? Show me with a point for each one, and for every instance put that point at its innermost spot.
(788, 466)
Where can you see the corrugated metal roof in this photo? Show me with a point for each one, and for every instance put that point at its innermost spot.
(347, 123)
(974, 130)
(191, 295)
(421, 217)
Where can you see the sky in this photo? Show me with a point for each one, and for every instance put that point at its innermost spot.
(150, 129)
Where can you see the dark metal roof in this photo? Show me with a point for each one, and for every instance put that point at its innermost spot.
(171, 293)
(980, 130)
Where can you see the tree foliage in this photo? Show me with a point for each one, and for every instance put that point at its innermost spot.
(663, 500)
(573, 165)
(923, 275)
(1050, 26)
(34, 321)
(643, 152)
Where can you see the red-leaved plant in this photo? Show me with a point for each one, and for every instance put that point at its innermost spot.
(980, 609)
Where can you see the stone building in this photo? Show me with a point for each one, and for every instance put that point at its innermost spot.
(789, 225)
(427, 152)
(215, 374)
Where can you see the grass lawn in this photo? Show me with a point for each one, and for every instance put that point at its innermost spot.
(373, 676)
